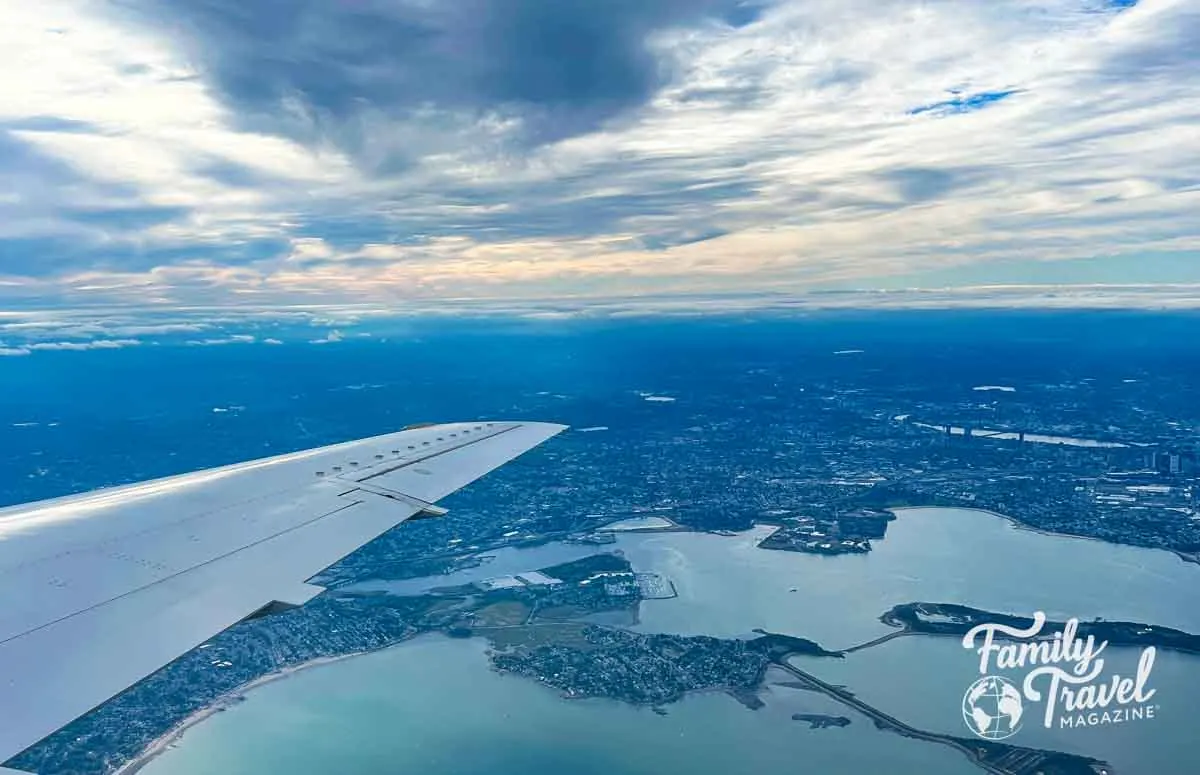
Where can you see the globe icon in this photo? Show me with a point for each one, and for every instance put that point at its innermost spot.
(992, 708)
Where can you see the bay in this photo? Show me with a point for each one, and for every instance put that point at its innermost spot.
(434, 706)
(434, 703)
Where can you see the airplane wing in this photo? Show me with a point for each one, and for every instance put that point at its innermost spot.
(98, 591)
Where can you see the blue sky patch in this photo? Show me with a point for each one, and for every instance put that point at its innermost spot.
(965, 104)
(125, 218)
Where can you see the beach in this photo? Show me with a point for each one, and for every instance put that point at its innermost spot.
(222, 703)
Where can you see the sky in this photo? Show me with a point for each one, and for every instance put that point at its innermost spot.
(267, 153)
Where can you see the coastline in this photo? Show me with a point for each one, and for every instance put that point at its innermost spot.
(1019, 525)
(1016, 523)
(228, 700)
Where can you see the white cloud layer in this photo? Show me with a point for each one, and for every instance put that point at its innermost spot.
(70, 346)
(22, 333)
(832, 143)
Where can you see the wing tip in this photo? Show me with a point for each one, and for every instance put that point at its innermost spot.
(554, 428)
(545, 430)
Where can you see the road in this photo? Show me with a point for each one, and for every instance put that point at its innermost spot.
(1013, 761)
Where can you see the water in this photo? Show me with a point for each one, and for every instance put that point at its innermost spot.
(434, 703)
(434, 706)
(728, 587)
(1034, 438)
(922, 680)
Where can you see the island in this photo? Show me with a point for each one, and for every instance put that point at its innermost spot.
(957, 620)
(838, 532)
(818, 721)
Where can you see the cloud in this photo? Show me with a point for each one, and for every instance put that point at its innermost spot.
(163, 152)
(330, 338)
(546, 70)
(96, 344)
(31, 331)
(217, 341)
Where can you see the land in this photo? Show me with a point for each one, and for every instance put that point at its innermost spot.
(957, 620)
(652, 670)
(1086, 443)
(798, 424)
(818, 721)
(850, 532)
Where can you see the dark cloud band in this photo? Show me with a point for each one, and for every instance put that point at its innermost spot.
(315, 69)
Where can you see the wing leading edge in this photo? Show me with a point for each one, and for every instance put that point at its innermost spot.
(98, 591)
